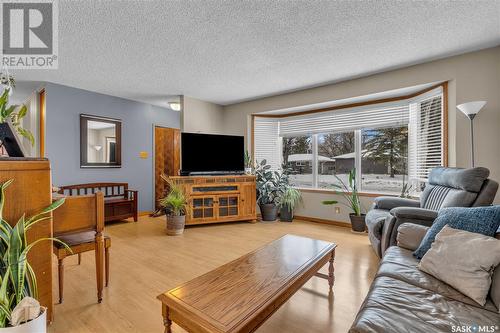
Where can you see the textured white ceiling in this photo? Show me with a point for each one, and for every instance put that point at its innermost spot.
(229, 51)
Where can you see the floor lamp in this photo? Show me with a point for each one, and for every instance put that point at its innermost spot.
(470, 109)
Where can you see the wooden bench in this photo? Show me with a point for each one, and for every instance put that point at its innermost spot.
(119, 202)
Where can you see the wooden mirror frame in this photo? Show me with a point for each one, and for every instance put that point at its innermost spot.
(84, 119)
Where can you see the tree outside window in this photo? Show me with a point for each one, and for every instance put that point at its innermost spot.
(335, 157)
(297, 156)
(384, 159)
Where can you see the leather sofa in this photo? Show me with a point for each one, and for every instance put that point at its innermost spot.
(404, 299)
(447, 187)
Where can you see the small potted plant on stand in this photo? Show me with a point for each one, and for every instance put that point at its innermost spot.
(175, 204)
(10, 119)
(270, 188)
(350, 193)
(248, 163)
(290, 199)
(20, 312)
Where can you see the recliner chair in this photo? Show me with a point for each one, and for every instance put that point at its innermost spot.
(447, 187)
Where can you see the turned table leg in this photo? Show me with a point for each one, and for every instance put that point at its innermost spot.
(166, 320)
(331, 271)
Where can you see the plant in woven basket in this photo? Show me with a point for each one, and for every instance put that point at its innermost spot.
(17, 278)
(175, 204)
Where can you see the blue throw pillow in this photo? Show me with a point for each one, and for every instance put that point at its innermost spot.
(481, 220)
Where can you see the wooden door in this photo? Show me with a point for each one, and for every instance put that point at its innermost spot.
(167, 157)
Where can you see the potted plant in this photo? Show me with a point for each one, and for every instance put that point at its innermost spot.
(270, 188)
(20, 312)
(350, 193)
(10, 118)
(175, 204)
(290, 199)
(248, 163)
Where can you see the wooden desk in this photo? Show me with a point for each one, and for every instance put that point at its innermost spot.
(239, 296)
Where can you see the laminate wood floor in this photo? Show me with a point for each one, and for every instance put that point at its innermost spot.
(145, 262)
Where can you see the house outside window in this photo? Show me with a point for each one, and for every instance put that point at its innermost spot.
(297, 156)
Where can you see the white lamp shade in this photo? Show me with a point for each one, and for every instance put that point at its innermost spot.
(471, 107)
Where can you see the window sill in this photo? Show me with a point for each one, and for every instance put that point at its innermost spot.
(361, 194)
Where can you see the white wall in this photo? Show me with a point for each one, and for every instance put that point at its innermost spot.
(201, 117)
(472, 76)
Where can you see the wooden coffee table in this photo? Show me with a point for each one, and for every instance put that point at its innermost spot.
(240, 295)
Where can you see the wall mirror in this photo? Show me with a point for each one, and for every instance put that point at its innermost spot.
(100, 142)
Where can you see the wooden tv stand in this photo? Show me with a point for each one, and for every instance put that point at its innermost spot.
(216, 199)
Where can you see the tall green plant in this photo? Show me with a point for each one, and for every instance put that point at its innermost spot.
(291, 198)
(271, 185)
(349, 192)
(176, 200)
(17, 278)
(8, 114)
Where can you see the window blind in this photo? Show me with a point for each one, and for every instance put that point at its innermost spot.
(425, 144)
(267, 141)
(373, 116)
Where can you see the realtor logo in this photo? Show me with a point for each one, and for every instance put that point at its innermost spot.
(29, 34)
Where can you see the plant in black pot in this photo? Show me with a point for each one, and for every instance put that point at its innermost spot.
(271, 186)
(175, 204)
(290, 199)
(350, 193)
(10, 125)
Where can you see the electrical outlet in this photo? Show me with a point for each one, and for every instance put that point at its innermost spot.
(337, 210)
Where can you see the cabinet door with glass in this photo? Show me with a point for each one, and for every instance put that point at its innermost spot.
(228, 206)
(203, 208)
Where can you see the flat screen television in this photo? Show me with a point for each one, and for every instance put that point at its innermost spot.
(211, 154)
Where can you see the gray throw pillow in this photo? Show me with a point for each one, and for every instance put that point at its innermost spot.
(464, 260)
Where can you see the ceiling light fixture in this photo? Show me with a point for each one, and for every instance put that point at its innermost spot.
(176, 106)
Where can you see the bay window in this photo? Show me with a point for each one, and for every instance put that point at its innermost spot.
(392, 145)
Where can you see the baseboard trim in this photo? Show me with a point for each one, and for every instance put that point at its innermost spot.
(144, 213)
(324, 221)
